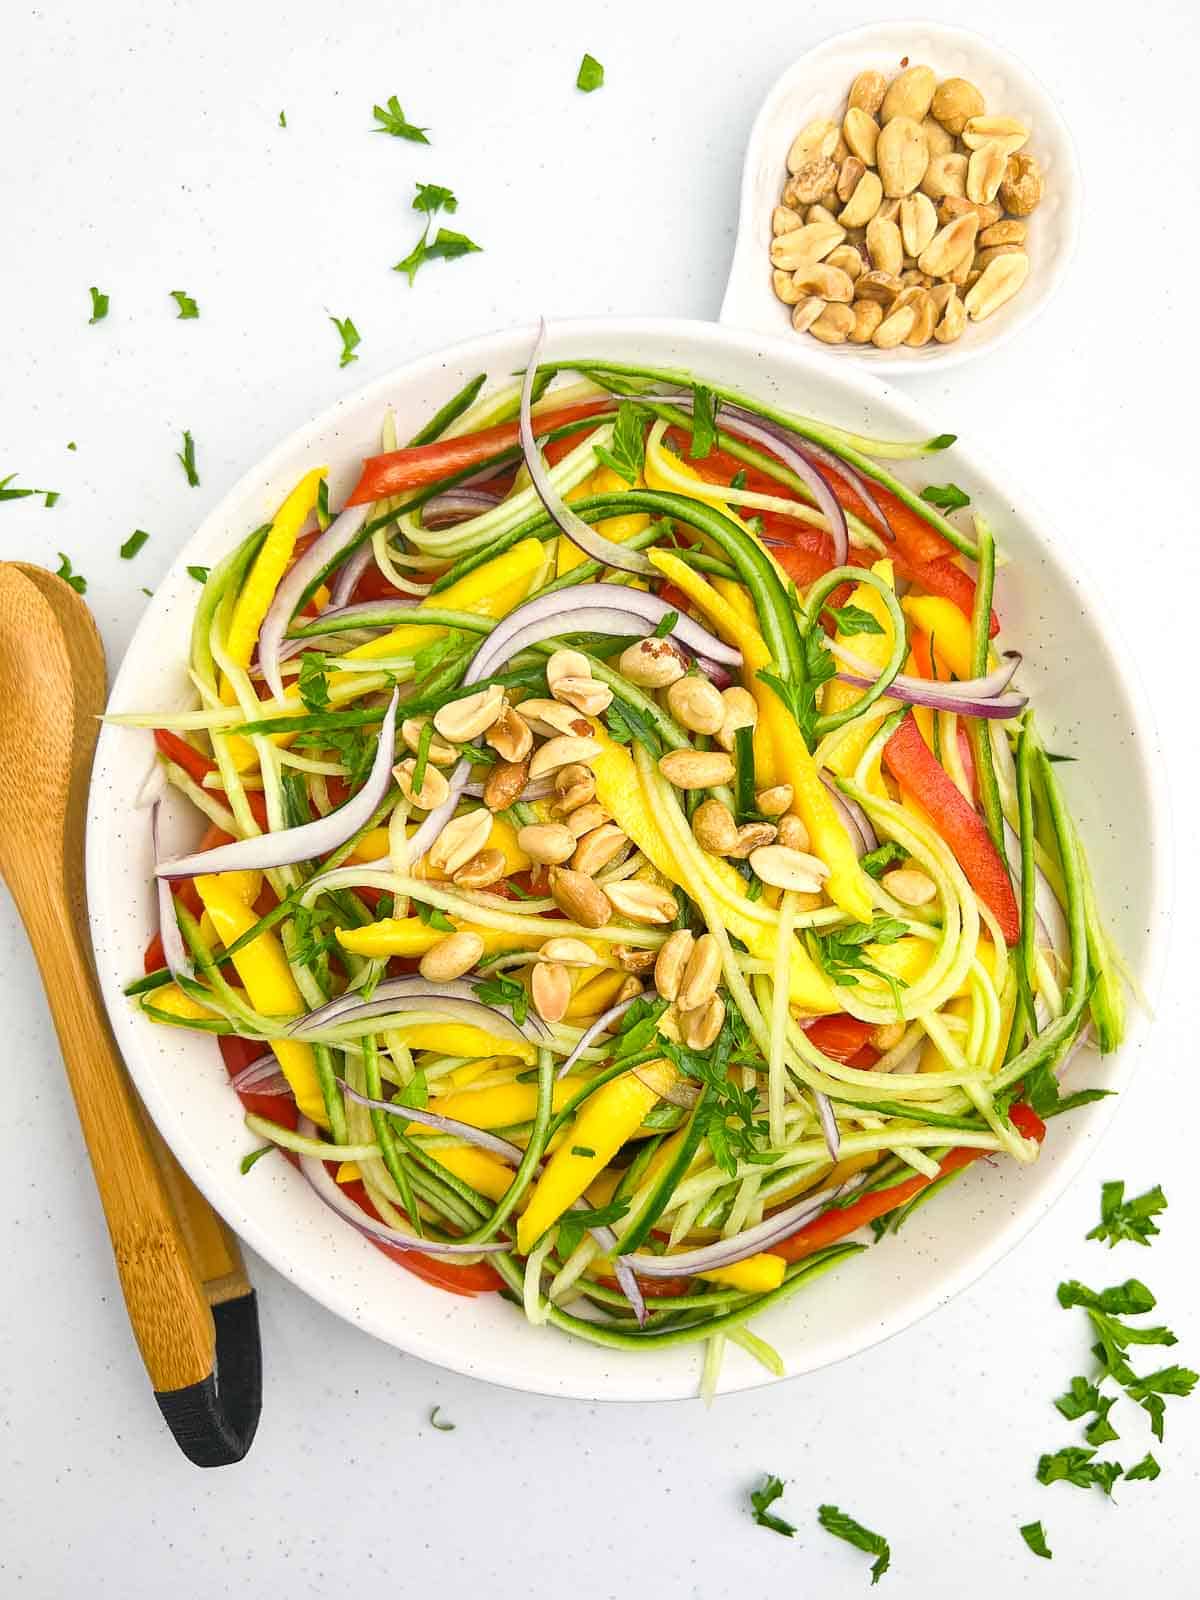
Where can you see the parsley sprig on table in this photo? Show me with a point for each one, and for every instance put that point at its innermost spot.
(391, 119)
(1128, 1219)
(448, 245)
(350, 338)
(844, 1527)
(762, 1499)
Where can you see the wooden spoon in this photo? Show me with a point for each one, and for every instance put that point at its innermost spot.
(189, 1301)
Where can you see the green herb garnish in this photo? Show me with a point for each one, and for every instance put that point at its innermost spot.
(187, 459)
(1128, 1219)
(433, 197)
(78, 583)
(350, 338)
(575, 1223)
(853, 619)
(946, 496)
(1035, 1537)
(889, 854)
(313, 682)
(761, 1500)
(133, 544)
(498, 990)
(1147, 1467)
(627, 453)
(199, 573)
(254, 1157)
(704, 423)
(590, 75)
(99, 306)
(844, 1527)
(188, 309)
(442, 1427)
(391, 119)
(1076, 1465)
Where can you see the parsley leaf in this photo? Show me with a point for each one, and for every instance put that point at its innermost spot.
(1101, 1430)
(187, 459)
(448, 246)
(78, 583)
(704, 423)
(1075, 1465)
(1147, 1467)
(584, 1150)
(840, 952)
(14, 494)
(628, 725)
(442, 1427)
(1149, 1391)
(1128, 1219)
(254, 1157)
(590, 75)
(391, 119)
(313, 682)
(639, 1027)
(433, 918)
(99, 306)
(1125, 1299)
(199, 573)
(844, 1527)
(432, 655)
(575, 1223)
(889, 854)
(946, 496)
(853, 619)
(1080, 1399)
(498, 990)
(350, 339)
(283, 119)
(1070, 1102)
(1034, 1536)
(628, 451)
(133, 544)
(801, 698)
(433, 197)
(762, 1498)
(188, 309)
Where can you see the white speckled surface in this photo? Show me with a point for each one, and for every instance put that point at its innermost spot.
(159, 164)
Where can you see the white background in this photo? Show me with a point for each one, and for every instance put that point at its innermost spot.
(142, 153)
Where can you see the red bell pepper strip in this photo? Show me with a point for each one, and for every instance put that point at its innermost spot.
(398, 471)
(198, 767)
(914, 766)
(838, 1223)
(839, 1037)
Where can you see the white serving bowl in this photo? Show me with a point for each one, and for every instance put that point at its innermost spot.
(1089, 706)
(816, 86)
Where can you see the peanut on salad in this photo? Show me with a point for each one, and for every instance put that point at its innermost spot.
(905, 220)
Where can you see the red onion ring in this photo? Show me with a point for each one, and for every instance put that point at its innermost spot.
(854, 819)
(174, 950)
(603, 1021)
(347, 579)
(457, 505)
(479, 1137)
(455, 997)
(829, 1127)
(256, 1072)
(986, 688)
(310, 839)
(295, 580)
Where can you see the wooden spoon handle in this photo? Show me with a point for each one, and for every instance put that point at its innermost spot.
(177, 1332)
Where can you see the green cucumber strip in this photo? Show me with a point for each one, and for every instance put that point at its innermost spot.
(814, 604)
(669, 1179)
(450, 412)
(978, 734)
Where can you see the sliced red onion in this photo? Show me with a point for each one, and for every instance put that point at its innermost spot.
(295, 580)
(479, 1137)
(829, 1127)
(457, 505)
(347, 579)
(1048, 908)
(742, 423)
(986, 688)
(724, 1252)
(1005, 705)
(684, 1092)
(311, 839)
(719, 676)
(624, 1274)
(592, 1033)
(276, 1083)
(576, 529)
(174, 950)
(327, 1190)
(854, 819)
(256, 1073)
(455, 999)
(295, 647)
(818, 455)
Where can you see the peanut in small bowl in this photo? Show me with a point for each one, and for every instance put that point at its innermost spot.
(839, 293)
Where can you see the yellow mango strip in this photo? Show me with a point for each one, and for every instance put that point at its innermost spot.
(410, 937)
(946, 626)
(874, 649)
(270, 564)
(270, 987)
(605, 1121)
(568, 555)
(501, 1106)
(460, 1039)
(470, 1070)
(492, 590)
(372, 846)
(755, 1275)
(620, 793)
(594, 996)
(848, 885)
(171, 999)
(766, 764)
(665, 471)
(908, 959)
(482, 1171)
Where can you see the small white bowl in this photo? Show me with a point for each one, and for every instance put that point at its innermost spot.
(816, 86)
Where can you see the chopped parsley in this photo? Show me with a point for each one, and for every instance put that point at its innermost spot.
(945, 496)
(1125, 1299)
(583, 1150)
(430, 198)
(283, 119)
(1034, 1536)
(853, 619)
(627, 725)
(801, 698)
(1076, 1465)
(704, 422)
(442, 1427)
(839, 953)
(1147, 1467)
(199, 573)
(77, 582)
(889, 854)
(590, 75)
(627, 454)
(350, 338)
(639, 1027)
(99, 306)
(732, 1125)
(391, 119)
(575, 1223)
(313, 683)
(23, 494)
(188, 309)
(72, 445)
(1149, 1392)
(498, 990)
(254, 1157)
(844, 1527)
(133, 544)
(434, 197)
(1128, 1219)
(762, 1499)
(187, 459)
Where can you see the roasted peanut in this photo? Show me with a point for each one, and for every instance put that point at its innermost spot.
(884, 246)
(983, 257)
(793, 833)
(820, 213)
(631, 959)
(510, 736)
(816, 141)
(570, 952)
(696, 769)
(850, 171)
(700, 1028)
(451, 957)
(504, 784)
(953, 206)
(652, 663)
(714, 828)
(740, 712)
(784, 219)
(945, 175)
(955, 101)
(671, 962)
(918, 222)
(550, 990)
(696, 704)
(912, 278)
(894, 329)
(909, 885)
(577, 897)
(785, 868)
(998, 283)
(751, 836)
(585, 818)
(1006, 131)
(948, 247)
(467, 718)
(1007, 232)
(574, 786)
(461, 838)
(867, 92)
(811, 183)
(868, 314)
(548, 717)
(434, 788)
(863, 202)
(775, 801)
(834, 324)
(805, 313)
(785, 289)
(861, 133)
(546, 842)
(925, 314)
(701, 975)
(816, 277)
(638, 901)
(588, 695)
(629, 990)
(811, 242)
(909, 94)
(952, 320)
(847, 259)
(902, 155)
(940, 142)
(440, 753)
(882, 287)
(482, 870)
(564, 750)
(1022, 186)
(985, 171)
(566, 664)
(596, 849)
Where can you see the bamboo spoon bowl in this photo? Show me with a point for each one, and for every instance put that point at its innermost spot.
(190, 1304)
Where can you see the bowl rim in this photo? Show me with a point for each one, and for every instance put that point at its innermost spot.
(703, 341)
(883, 363)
